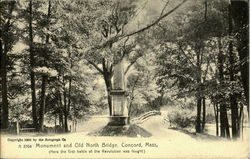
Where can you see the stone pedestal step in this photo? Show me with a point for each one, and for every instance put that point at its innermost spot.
(118, 121)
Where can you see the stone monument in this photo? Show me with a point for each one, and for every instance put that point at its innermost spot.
(119, 120)
(119, 116)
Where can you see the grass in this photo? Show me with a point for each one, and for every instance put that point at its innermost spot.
(128, 131)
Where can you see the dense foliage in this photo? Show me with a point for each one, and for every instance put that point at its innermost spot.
(58, 58)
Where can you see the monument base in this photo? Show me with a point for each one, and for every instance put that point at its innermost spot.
(125, 130)
(118, 121)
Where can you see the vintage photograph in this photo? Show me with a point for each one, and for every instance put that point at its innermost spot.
(124, 79)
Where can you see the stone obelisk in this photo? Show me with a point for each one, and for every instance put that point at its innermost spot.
(119, 115)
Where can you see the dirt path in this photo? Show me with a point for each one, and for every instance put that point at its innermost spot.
(172, 143)
(177, 144)
(157, 128)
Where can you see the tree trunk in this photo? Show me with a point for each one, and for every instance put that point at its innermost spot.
(224, 126)
(69, 100)
(74, 117)
(107, 78)
(242, 123)
(239, 12)
(1, 49)
(234, 116)
(42, 104)
(109, 96)
(222, 107)
(216, 112)
(130, 106)
(199, 99)
(161, 97)
(226, 121)
(69, 95)
(44, 80)
(5, 46)
(222, 122)
(75, 125)
(65, 111)
(4, 89)
(65, 121)
(132, 96)
(204, 113)
(33, 98)
(61, 123)
(32, 64)
(198, 117)
(55, 119)
(233, 99)
(239, 119)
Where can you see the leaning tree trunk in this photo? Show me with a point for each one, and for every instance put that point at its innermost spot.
(108, 87)
(132, 96)
(107, 75)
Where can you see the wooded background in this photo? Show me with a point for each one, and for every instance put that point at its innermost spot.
(57, 60)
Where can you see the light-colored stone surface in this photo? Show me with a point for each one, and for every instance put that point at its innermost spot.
(119, 100)
(118, 77)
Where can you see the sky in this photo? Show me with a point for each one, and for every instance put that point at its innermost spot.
(149, 11)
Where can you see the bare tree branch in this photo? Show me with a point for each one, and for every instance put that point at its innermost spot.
(156, 21)
(96, 67)
(132, 96)
(129, 66)
(165, 6)
(120, 37)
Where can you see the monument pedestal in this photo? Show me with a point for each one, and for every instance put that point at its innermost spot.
(118, 121)
(119, 108)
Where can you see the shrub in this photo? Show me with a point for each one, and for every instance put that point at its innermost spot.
(181, 118)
